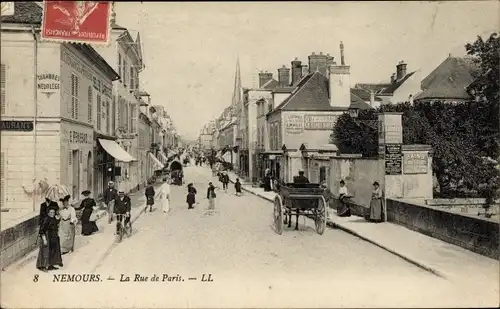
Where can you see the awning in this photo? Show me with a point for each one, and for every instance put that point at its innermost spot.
(227, 157)
(116, 151)
(156, 162)
(164, 157)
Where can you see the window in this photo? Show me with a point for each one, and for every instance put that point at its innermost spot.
(125, 73)
(322, 174)
(113, 115)
(108, 117)
(119, 112)
(132, 78)
(120, 66)
(89, 97)
(126, 118)
(130, 118)
(3, 74)
(134, 118)
(98, 105)
(2, 179)
(74, 96)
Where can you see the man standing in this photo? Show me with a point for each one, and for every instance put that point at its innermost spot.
(110, 195)
(150, 197)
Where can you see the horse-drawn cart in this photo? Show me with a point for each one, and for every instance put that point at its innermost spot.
(300, 199)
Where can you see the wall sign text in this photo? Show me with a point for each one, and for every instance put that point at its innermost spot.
(319, 122)
(415, 163)
(13, 125)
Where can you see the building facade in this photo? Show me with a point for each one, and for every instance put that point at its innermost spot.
(48, 134)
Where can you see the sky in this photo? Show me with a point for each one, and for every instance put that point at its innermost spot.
(190, 49)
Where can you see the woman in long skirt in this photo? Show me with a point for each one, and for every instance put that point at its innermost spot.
(376, 204)
(67, 226)
(88, 204)
(50, 250)
(165, 195)
(191, 196)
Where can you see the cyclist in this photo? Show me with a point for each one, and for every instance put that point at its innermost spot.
(123, 205)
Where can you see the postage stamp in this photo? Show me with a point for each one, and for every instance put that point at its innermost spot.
(76, 21)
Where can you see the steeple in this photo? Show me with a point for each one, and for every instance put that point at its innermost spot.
(237, 103)
(342, 59)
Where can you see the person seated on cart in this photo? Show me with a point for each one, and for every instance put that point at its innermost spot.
(301, 179)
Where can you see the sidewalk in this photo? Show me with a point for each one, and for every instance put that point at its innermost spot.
(89, 250)
(443, 259)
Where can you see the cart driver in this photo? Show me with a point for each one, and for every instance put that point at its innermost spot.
(301, 178)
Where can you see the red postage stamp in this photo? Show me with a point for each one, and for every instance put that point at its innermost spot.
(76, 21)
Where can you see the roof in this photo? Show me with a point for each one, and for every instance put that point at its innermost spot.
(363, 94)
(115, 26)
(24, 13)
(384, 88)
(310, 94)
(357, 102)
(284, 90)
(94, 56)
(449, 80)
(271, 84)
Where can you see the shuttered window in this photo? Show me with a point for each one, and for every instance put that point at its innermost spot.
(3, 76)
(98, 108)
(134, 118)
(113, 115)
(90, 103)
(125, 77)
(120, 66)
(126, 118)
(108, 117)
(75, 83)
(132, 78)
(3, 187)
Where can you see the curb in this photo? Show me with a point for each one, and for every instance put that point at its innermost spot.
(334, 225)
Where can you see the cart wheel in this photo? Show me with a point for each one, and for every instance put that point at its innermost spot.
(278, 216)
(320, 219)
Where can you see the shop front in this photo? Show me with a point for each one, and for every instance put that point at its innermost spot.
(107, 168)
(244, 163)
(77, 164)
(271, 160)
(316, 162)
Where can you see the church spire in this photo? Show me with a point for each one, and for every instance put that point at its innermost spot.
(236, 103)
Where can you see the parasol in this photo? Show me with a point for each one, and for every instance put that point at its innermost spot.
(56, 192)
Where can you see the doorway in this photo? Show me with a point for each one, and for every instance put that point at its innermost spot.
(90, 167)
(75, 159)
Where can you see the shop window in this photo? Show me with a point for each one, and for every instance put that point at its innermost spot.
(3, 76)
(75, 84)
(89, 96)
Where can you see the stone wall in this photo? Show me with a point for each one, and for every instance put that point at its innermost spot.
(471, 232)
(17, 241)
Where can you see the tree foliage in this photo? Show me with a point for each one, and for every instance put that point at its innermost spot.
(461, 135)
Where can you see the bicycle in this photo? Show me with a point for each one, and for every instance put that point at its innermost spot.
(121, 229)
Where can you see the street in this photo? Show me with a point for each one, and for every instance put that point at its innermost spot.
(243, 264)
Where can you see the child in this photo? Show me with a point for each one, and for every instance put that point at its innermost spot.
(225, 181)
(191, 196)
(237, 187)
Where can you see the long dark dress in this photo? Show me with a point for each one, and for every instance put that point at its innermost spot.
(191, 196)
(88, 227)
(49, 255)
(44, 210)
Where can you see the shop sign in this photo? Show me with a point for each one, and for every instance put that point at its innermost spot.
(393, 160)
(80, 138)
(319, 122)
(294, 124)
(415, 163)
(19, 126)
(48, 84)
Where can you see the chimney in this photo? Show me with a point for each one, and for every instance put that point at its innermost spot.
(305, 70)
(401, 70)
(264, 77)
(372, 98)
(342, 59)
(393, 78)
(284, 76)
(329, 60)
(296, 71)
(318, 63)
(340, 83)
